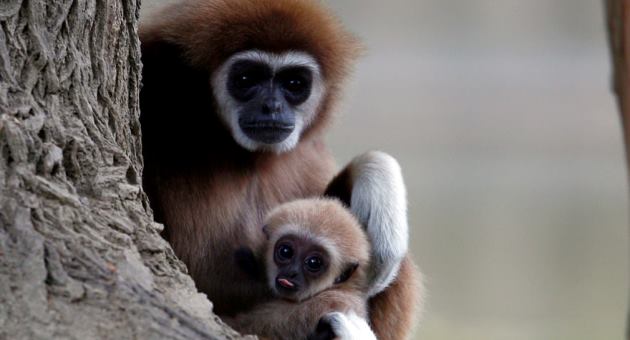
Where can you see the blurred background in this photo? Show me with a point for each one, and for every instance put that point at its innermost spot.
(501, 115)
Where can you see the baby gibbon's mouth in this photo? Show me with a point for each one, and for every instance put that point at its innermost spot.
(285, 283)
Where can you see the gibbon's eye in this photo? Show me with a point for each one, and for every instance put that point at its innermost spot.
(244, 81)
(296, 82)
(314, 264)
(244, 76)
(284, 252)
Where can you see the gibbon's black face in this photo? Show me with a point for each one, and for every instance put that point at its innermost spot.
(268, 99)
(301, 266)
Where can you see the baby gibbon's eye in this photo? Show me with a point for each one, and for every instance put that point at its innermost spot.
(314, 264)
(284, 252)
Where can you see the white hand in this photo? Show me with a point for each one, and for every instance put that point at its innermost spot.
(349, 326)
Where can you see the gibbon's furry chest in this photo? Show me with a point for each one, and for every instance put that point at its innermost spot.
(210, 212)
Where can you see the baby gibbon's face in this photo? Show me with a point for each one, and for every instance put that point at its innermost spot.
(301, 267)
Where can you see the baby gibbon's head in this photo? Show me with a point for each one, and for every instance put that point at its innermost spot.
(314, 244)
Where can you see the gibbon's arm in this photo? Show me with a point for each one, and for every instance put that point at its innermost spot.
(330, 314)
(372, 186)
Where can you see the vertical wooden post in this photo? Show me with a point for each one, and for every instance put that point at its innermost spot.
(618, 19)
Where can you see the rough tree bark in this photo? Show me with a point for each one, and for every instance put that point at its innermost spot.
(618, 19)
(79, 254)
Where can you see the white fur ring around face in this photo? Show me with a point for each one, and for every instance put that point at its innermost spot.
(349, 326)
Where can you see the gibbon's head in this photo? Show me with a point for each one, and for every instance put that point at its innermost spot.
(314, 244)
(275, 66)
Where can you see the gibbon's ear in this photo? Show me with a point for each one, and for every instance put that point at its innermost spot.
(372, 187)
(347, 273)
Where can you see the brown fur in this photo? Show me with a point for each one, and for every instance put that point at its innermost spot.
(214, 211)
(393, 312)
(327, 223)
(210, 193)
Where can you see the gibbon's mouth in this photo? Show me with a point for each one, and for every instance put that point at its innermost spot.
(268, 132)
(284, 284)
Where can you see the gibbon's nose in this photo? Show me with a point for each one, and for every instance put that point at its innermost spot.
(290, 274)
(271, 105)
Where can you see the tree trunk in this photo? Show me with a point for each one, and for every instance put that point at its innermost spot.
(79, 254)
(618, 15)
(618, 18)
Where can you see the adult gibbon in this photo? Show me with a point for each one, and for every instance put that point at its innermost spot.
(235, 98)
